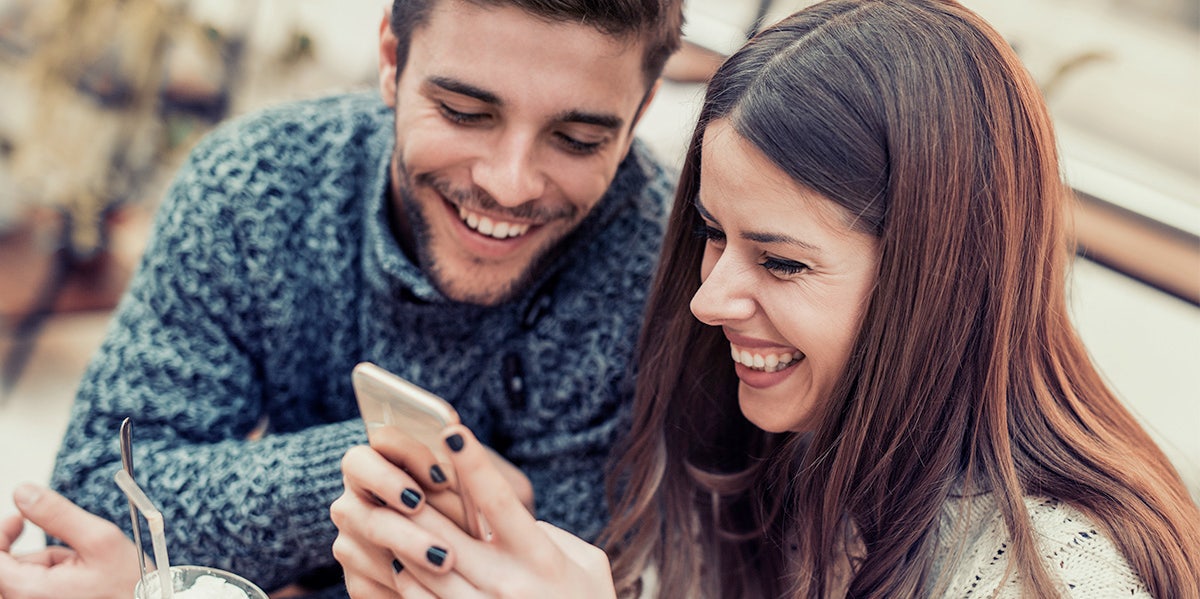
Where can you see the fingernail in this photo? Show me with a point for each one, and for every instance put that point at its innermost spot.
(436, 555)
(410, 498)
(26, 495)
(455, 442)
(436, 474)
(397, 567)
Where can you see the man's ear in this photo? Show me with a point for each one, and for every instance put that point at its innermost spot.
(387, 60)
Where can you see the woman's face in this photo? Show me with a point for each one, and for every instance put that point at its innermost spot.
(785, 277)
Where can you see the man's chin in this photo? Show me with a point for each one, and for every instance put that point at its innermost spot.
(473, 290)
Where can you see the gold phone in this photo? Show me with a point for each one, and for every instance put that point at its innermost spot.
(385, 399)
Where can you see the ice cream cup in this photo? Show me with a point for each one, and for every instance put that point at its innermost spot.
(199, 582)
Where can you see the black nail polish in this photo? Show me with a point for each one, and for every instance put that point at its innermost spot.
(436, 555)
(455, 442)
(436, 474)
(397, 567)
(410, 498)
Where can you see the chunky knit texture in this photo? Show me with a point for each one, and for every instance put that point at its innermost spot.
(1084, 560)
(973, 546)
(270, 273)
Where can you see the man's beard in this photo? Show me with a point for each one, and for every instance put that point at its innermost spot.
(474, 199)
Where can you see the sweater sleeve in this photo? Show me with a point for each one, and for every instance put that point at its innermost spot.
(183, 358)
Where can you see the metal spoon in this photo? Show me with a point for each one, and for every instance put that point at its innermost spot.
(127, 464)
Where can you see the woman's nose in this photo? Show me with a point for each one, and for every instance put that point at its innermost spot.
(725, 295)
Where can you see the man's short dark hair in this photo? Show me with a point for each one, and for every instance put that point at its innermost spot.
(656, 22)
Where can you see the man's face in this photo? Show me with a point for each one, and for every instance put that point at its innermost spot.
(509, 129)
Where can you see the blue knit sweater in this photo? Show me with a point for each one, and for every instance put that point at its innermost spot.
(270, 273)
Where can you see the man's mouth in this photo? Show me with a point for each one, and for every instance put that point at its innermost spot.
(490, 226)
(766, 362)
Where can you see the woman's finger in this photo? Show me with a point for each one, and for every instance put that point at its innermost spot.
(410, 454)
(487, 488)
(386, 477)
(418, 582)
(361, 559)
(365, 588)
(422, 563)
(372, 476)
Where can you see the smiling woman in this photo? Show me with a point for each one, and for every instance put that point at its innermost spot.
(785, 276)
(943, 431)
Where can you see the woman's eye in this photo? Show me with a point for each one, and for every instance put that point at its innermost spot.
(784, 268)
(459, 117)
(578, 147)
(710, 234)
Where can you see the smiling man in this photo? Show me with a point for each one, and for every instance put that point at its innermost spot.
(486, 227)
(509, 128)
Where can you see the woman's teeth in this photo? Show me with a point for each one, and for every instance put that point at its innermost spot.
(497, 229)
(764, 362)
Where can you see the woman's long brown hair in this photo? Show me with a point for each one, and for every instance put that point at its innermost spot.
(967, 375)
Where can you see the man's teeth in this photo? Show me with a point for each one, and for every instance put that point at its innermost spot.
(492, 228)
(765, 362)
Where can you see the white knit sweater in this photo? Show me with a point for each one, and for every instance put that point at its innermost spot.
(975, 543)
(1085, 561)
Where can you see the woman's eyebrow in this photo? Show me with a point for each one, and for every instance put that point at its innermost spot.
(756, 236)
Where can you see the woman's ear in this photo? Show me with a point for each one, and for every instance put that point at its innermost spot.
(387, 60)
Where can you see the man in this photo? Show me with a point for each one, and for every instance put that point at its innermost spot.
(488, 231)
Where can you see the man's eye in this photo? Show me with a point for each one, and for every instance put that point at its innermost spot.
(577, 147)
(462, 118)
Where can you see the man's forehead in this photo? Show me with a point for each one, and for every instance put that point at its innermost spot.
(502, 55)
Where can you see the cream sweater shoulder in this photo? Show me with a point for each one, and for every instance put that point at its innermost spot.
(974, 545)
(975, 540)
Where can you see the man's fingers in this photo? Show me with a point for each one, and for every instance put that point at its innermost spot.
(87, 533)
(10, 529)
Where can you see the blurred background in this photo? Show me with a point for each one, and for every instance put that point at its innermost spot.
(100, 100)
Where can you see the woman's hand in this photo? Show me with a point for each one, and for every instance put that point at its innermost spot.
(420, 552)
(101, 562)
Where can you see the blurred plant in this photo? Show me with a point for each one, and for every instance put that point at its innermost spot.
(115, 85)
(1068, 67)
(299, 49)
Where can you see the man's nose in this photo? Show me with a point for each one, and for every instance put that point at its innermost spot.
(511, 173)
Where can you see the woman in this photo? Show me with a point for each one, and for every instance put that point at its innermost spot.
(873, 204)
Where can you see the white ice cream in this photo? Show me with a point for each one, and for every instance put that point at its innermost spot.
(211, 587)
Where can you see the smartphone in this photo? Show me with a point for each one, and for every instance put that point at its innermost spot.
(385, 399)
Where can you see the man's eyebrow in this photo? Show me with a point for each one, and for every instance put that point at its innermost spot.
(466, 89)
(607, 121)
(756, 236)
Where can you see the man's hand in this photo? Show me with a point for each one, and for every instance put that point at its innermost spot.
(101, 562)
